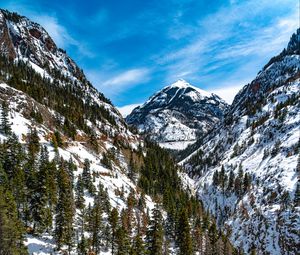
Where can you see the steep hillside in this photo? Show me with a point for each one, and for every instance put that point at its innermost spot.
(178, 114)
(73, 178)
(247, 171)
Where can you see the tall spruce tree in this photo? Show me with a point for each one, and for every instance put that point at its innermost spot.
(113, 220)
(185, 242)
(97, 225)
(64, 231)
(154, 236)
(11, 229)
(5, 125)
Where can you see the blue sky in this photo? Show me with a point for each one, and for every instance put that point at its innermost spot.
(131, 48)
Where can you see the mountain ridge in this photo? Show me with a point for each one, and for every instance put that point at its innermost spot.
(248, 167)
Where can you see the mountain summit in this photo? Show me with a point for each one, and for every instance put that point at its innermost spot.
(176, 115)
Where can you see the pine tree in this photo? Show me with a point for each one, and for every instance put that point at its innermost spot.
(79, 193)
(122, 241)
(216, 178)
(39, 207)
(154, 236)
(297, 194)
(87, 178)
(184, 234)
(138, 247)
(94, 142)
(64, 210)
(213, 238)
(230, 184)
(82, 244)
(246, 182)
(5, 125)
(97, 225)
(33, 142)
(12, 160)
(238, 183)
(113, 220)
(222, 179)
(132, 169)
(71, 168)
(198, 236)
(11, 229)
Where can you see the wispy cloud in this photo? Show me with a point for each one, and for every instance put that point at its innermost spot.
(228, 93)
(230, 36)
(128, 78)
(113, 84)
(127, 109)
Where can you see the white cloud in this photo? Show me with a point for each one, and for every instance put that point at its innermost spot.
(128, 78)
(127, 109)
(227, 93)
(113, 84)
(232, 35)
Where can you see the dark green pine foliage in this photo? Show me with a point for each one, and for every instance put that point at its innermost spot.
(113, 220)
(185, 242)
(159, 178)
(5, 125)
(31, 174)
(82, 243)
(87, 178)
(39, 204)
(297, 194)
(64, 231)
(230, 184)
(11, 229)
(71, 168)
(33, 142)
(138, 247)
(154, 237)
(213, 238)
(79, 193)
(97, 225)
(159, 175)
(122, 241)
(12, 157)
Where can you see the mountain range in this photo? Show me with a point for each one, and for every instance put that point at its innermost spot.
(76, 178)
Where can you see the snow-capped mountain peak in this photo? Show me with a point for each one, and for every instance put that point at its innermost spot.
(183, 84)
(177, 114)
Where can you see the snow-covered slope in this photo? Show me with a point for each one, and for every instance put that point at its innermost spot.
(114, 179)
(246, 170)
(178, 114)
(31, 51)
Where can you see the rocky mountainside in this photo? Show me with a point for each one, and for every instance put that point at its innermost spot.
(178, 114)
(247, 170)
(73, 178)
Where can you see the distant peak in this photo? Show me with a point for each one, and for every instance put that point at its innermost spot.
(183, 84)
